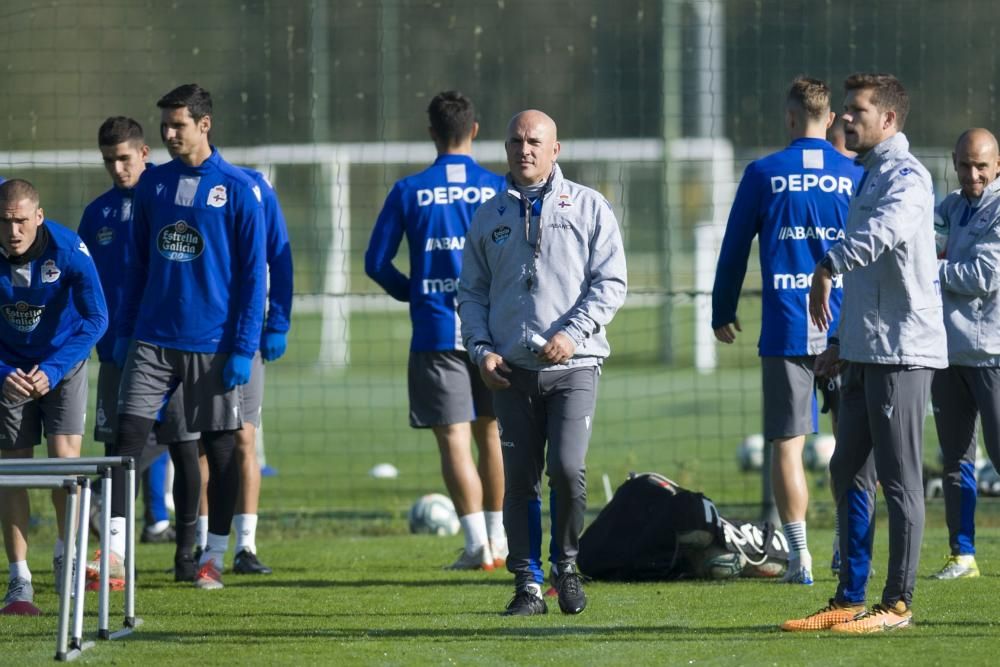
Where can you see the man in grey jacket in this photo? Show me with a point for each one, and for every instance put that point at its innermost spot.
(970, 387)
(891, 336)
(543, 273)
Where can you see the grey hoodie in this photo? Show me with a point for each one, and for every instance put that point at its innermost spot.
(891, 313)
(970, 277)
(514, 285)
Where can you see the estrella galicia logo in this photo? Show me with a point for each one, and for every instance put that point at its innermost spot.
(23, 316)
(501, 234)
(180, 242)
(105, 235)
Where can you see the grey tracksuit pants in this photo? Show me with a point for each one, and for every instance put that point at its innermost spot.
(554, 407)
(880, 436)
(960, 394)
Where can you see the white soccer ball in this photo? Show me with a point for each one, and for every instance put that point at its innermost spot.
(434, 514)
(751, 453)
(818, 451)
(720, 563)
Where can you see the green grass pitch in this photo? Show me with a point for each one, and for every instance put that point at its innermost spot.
(348, 599)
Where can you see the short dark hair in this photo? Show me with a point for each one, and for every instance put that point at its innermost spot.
(197, 100)
(16, 189)
(118, 130)
(452, 116)
(810, 95)
(888, 94)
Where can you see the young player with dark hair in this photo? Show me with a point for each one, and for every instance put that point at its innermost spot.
(192, 314)
(970, 386)
(53, 312)
(890, 339)
(433, 209)
(795, 201)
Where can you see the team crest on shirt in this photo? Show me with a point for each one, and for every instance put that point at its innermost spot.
(501, 234)
(105, 235)
(50, 272)
(24, 317)
(180, 242)
(564, 202)
(217, 196)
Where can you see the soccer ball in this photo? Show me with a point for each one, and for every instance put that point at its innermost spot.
(751, 453)
(434, 514)
(818, 451)
(719, 563)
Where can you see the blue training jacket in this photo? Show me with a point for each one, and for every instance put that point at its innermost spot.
(53, 307)
(433, 209)
(106, 228)
(279, 258)
(796, 202)
(198, 272)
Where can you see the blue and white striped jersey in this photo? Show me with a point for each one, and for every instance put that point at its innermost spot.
(433, 209)
(795, 201)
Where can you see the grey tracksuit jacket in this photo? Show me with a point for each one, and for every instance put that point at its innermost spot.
(970, 277)
(515, 284)
(891, 313)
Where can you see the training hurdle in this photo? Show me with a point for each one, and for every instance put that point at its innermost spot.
(21, 472)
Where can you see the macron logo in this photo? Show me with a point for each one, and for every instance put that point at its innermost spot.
(440, 285)
(783, 281)
(806, 182)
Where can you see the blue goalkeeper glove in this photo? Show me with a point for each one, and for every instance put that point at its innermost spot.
(273, 345)
(120, 352)
(236, 371)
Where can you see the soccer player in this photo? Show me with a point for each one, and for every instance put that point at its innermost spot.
(433, 209)
(106, 229)
(796, 202)
(543, 273)
(971, 293)
(53, 313)
(192, 314)
(891, 336)
(273, 343)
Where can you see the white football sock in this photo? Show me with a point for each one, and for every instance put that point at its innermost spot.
(201, 532)
(494, 527)
(245, 527)
(795, 531)
(215, 550)
(117, 541)
(474, 529)
(59, 549)
(20, 569)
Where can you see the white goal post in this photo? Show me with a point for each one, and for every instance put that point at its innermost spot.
(336, 160)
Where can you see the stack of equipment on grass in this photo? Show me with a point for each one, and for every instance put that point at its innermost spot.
(655, 530)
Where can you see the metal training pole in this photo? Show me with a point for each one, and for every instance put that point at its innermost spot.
(130, 544)
(79, 565)
(62, 639)
(102, 595)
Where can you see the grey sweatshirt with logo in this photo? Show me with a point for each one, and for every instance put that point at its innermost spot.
(891, 313)
(970, 277)
(515, 284)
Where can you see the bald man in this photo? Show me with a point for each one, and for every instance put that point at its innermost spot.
(543, 273)
(970, 386)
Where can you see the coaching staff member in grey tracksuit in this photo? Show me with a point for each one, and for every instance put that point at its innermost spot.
(543, 273)
(970, 386)
(892, 337)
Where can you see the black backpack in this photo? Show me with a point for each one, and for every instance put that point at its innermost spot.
(655, 530)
